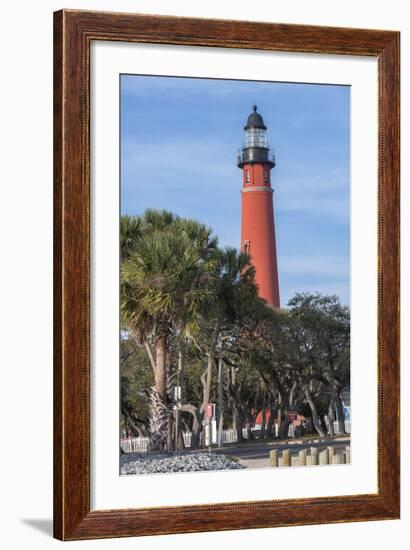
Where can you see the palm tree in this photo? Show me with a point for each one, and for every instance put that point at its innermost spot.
(166, 285)
(130, 232)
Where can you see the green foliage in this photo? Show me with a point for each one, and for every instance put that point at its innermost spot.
(167, 276)
(136, 380)
(178, 286)
(320, 334)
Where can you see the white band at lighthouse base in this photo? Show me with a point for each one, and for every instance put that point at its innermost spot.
(108, 489)
(264, 189)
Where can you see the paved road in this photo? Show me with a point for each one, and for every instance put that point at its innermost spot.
(249, 452)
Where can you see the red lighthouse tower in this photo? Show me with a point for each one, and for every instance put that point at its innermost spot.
(258, 226)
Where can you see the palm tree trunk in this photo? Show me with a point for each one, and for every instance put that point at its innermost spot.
(160, 366)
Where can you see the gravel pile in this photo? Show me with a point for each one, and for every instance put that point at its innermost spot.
(166, 463)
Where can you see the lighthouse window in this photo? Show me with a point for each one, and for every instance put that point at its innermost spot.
(255, 137)
(266, 176)
(248, 177)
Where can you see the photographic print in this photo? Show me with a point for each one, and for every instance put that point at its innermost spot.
(235, 274)
(224, 193)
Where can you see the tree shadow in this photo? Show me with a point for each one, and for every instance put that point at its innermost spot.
(43, 525)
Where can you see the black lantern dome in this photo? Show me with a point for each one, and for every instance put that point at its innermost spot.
(255, 120)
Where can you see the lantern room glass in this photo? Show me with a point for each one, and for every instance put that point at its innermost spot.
(255, 137)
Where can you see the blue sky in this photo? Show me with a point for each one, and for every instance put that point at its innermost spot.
(179, 140)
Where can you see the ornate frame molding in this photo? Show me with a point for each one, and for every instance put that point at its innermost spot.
(73, 33)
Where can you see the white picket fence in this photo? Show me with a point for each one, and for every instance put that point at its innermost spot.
(140, 444)
(134, 444)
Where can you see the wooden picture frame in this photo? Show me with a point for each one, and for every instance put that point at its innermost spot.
(74, 32)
